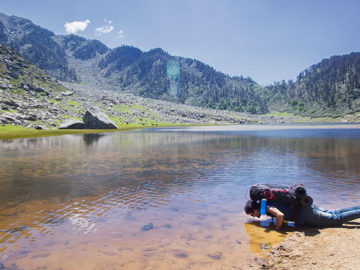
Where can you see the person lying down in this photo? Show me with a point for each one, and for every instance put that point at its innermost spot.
(311, 216)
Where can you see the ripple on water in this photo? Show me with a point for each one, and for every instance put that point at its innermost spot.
(64, 200)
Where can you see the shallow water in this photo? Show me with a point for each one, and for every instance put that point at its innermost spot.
(157, 198)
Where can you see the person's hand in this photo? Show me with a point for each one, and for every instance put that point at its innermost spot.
(278, 214)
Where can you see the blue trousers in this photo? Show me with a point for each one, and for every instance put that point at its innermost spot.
(315, 216)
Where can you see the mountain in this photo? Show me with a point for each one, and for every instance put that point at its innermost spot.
(81, 48)
(35, 44)
(329, 88)
(154, 74)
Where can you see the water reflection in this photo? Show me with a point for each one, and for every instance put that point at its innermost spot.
(89, 139)
(190, 186)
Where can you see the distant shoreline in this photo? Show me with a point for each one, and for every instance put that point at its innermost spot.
(15, 132)
(273, 127)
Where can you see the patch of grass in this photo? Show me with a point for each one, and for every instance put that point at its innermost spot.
(128, 108)
(50, 85)
(327, 119)
(13, 132)
(138, 107)
(144, 123)
(16, 82)
(122, 108)
(117, 120)
(74, 103)
(122, 122)
(238, 117)
(18, 91)
(279, 114)
(54, 100)
(71, 117)
(77, 109)
(10, 111)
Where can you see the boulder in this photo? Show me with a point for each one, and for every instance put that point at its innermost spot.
(94, 118)
(31, 117)
(5, 85)
(67, 94)
(7, 119)
(12, 103)
(40, 127)
(41, 90)
(72, 124)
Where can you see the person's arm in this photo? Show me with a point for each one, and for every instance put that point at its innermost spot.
(278, 214)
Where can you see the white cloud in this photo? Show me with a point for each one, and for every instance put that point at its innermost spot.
(121, 34)
(76, 26)
(105, 29)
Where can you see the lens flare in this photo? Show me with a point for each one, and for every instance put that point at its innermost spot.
(173, 70)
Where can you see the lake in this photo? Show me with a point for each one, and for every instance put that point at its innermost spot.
(166, 198)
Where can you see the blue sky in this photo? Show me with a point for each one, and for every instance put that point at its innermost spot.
(268, 40)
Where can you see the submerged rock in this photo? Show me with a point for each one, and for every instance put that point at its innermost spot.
(72, 124)
(215, 256)
(94, 118)
(147, 227)
(181, 255)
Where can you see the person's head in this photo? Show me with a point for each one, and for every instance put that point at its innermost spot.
(252, 208)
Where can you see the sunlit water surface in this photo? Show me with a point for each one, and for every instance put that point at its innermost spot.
(160, 198)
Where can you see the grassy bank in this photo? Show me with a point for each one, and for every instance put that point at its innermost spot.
(13, 132)
(8, 132)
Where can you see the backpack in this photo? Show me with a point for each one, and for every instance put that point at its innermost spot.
(294, 195)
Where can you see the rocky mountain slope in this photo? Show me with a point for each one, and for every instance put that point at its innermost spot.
(35, 44)
(28, 96)
(158, 75)
(31, 98)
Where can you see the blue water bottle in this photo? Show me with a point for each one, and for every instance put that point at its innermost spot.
(263, 207)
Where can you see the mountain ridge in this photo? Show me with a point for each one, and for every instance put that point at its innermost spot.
(198, 83)
(329, 88)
